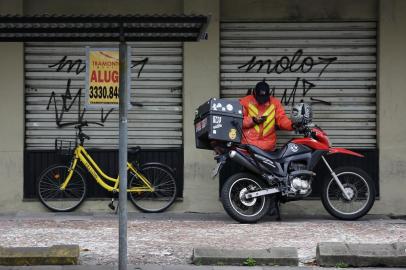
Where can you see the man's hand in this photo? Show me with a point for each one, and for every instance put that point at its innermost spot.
(298, 128)
(259, 120)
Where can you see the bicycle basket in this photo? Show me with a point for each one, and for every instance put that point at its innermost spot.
(64, 147)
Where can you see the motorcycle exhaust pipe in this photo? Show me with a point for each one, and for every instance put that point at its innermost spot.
(237, 157)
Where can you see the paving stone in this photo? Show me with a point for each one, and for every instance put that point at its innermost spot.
(54, 255)
(186, 267)
(89, 267)
(273, 256)
(359, 255)
(236, 267)
(42, 267)
(148, 267)
(290, 268)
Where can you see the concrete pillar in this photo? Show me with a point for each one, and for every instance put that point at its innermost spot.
(201, 82)
(11, 116)
(391, 106)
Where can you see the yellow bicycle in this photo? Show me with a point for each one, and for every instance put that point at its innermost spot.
(61, 188)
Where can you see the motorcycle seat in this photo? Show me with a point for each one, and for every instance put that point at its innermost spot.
(271, 155)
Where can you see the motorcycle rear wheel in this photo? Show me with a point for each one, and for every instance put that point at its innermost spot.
(236, 205)
(360, 187)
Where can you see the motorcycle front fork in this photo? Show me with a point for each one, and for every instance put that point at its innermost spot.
(333, 174)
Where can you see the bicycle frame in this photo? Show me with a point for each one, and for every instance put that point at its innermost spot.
(82, 155)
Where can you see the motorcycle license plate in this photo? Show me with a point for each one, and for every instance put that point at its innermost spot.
(216, 169)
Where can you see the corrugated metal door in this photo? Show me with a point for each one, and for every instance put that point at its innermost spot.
(329, 61)
(54, 75)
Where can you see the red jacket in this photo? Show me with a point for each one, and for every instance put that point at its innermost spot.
(263, 135)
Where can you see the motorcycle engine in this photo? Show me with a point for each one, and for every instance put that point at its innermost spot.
(300, 184)
(296, 166)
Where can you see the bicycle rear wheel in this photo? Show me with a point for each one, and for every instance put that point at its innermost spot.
(164, 194)
(55, 199)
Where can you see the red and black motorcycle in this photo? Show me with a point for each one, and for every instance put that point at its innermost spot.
(286, 175)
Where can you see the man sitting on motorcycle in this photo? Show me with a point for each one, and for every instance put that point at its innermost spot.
(262, 113)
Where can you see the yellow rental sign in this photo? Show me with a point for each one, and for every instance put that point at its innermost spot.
(102, 77)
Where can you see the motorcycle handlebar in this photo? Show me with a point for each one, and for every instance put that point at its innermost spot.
(305, 129)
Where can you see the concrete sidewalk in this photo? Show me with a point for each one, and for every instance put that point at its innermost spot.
(176, 267)
(169, 238)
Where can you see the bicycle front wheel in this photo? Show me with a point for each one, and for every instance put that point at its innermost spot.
(164, 194)
(50, 193)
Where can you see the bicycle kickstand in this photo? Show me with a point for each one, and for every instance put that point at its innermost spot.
(111, 204)
(112, 207)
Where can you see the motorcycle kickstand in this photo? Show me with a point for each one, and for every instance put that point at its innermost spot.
(278, 211)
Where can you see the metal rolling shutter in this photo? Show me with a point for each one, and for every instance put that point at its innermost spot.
(159, 88)
(349, 82)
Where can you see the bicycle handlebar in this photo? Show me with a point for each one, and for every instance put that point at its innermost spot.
(83, 136)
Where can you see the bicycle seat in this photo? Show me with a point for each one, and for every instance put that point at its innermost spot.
(271, 155)
(134, 150)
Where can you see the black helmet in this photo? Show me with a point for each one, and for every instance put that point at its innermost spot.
(261, 92)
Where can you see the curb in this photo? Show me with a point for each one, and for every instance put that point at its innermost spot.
(283, 256)
(360, 255)
(54, 255)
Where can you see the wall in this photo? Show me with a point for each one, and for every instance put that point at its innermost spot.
(11, 7)
(199, 196)
(201, 82)
(392, 98)
(11, 123)
(298, 10)
(12, 88)
(102, 7)
(11, 117)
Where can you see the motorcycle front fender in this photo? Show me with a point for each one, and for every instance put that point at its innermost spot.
(344, 151)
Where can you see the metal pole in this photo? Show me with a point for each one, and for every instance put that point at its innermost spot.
(122, 152)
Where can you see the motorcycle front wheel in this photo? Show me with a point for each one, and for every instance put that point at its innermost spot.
(358, 185)
(236, 205)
